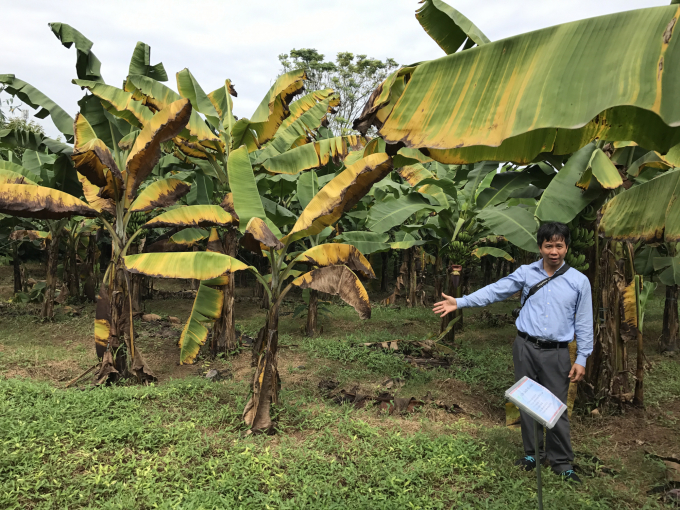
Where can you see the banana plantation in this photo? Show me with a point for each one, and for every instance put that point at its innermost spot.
(204, 311)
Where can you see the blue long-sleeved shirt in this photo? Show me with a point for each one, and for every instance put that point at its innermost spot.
(557, 312)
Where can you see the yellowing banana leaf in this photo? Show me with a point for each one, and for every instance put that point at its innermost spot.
(10, 177)
(340, 195)
(36, 99)
(312, 155)
(221, 101)
(146, 151)
(490, 250)
(189, 236)
(162, 193)
(415, 173)
(207, 308)
(335, 254)
(516, 224)
(274, 106)
(630, 303)
(91, 193)
(546, 91)
(257, 232)
(41, 203)
(298, 130)
(448, 27)
(602, 170)
(300, 106)
(192, 216)
(118, 102)
(650, 160)
(92, 157)
(382, 100)
(647, 212)
(338, 281)
(199, 265)
(157, 96)
(215, 245)
(102, 323)
(32, 235)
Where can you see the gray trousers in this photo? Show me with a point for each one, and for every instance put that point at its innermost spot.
(550, 368)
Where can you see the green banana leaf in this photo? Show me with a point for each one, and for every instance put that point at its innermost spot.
(516, 224)
(448, 27)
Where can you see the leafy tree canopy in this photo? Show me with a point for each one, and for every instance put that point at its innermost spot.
(352, 76)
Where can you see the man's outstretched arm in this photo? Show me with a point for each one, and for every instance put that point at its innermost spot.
(502, 289)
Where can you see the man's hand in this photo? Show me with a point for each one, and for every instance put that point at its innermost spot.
(577, 373)
(447, 306)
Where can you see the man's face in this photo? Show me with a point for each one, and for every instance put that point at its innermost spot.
(553, 252)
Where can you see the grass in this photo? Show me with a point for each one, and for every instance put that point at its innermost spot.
(180, 444)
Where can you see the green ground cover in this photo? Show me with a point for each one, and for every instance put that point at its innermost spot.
(179, 444)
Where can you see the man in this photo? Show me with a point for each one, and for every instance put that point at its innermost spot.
(547, 322)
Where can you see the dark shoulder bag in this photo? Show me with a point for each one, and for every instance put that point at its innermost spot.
(533, 290)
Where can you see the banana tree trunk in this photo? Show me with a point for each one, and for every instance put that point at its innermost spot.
(607, 367)
(136, 282)
(224, 330)
(266, 381)
(438, 277)
(47, 311)
(90, 287)
(638, 398)
(312, 313)
(412, 277)
(383, 275)
(18, 286)
(668, 342)
(73, 283)
(453, 281)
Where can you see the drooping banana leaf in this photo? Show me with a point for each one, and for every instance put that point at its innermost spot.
(546, 91)
(36, 99)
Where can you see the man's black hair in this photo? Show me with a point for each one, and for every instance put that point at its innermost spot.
(553, 230)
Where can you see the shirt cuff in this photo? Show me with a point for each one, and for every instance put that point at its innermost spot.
(581, 360)
(461, 302)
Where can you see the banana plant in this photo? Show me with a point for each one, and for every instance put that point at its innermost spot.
(279, 136)
(335, 275)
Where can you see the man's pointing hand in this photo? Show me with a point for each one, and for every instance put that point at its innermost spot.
(447, 306)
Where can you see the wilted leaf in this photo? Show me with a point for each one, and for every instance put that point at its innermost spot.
(192, 216)
(41, 203)
(338, 281)
(336, 254)
(197, 265)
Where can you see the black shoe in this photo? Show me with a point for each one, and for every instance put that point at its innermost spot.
(570, 476)
(527, 462)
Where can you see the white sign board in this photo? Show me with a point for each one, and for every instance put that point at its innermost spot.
(537, 401)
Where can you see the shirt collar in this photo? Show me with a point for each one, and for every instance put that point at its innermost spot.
(539, 266)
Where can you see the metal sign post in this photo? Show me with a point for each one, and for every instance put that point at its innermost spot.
(544, 408)
(537, 456)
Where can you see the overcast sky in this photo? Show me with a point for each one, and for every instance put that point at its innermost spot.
(241, 40)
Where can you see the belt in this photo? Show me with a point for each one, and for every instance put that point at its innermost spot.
(543, 344)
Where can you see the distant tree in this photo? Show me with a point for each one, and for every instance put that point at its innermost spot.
(354, 77)
(13, 121)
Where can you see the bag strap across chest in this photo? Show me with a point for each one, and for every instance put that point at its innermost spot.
(533, 290)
